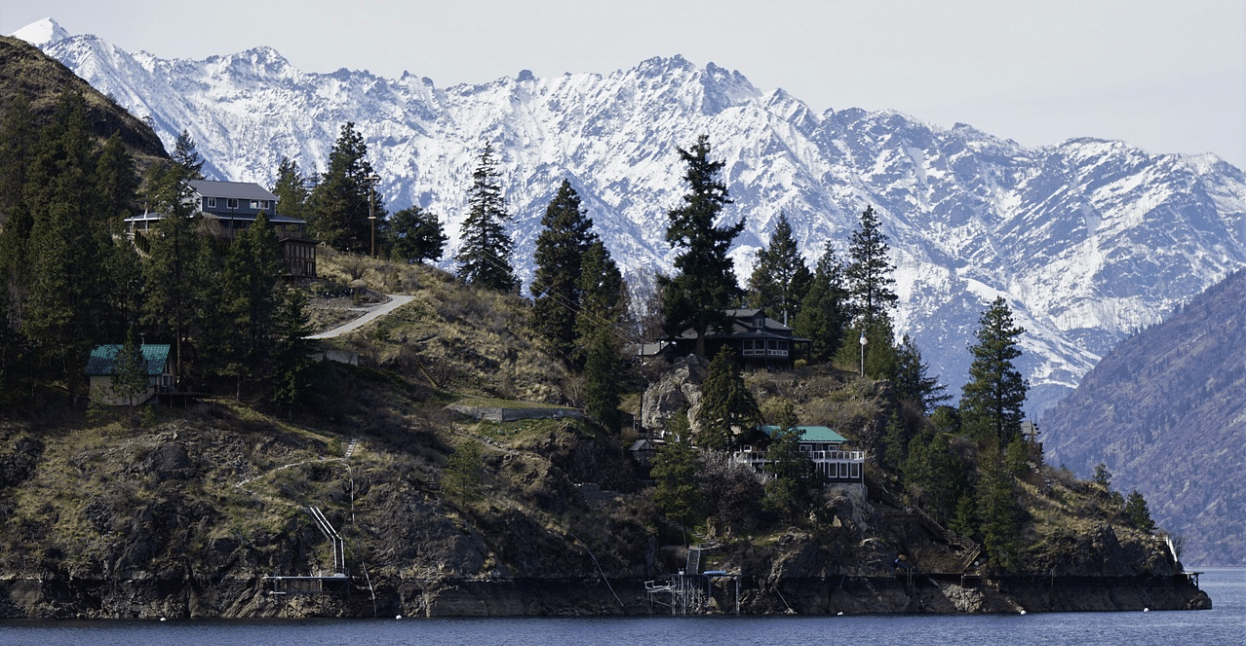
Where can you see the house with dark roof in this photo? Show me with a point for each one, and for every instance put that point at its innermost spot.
(760, 342)
(229, 208)
(832, 460)
(102, 368)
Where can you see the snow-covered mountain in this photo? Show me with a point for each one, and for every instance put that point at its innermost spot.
(1088, 240)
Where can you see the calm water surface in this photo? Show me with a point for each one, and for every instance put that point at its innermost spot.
(1225, 624)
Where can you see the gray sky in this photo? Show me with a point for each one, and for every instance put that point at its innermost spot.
(1167, 76)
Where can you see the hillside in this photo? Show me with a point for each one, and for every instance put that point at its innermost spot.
(1087, 239)
(28, 72)
(184, 513)
(1166, 412)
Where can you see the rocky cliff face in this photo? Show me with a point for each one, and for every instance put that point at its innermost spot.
(188, 518)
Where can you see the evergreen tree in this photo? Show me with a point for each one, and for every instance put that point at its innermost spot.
(602, 393)
(910, 380)
(178, 263)
(934, 472)
(63, 311)
(824, 311)
(484, 257)
(728, 409)
(603, 298)
(293, 196)
(186, 155)
(999, 513)
(602, 301)
(992, 400)
(1137, 513)
(116, 179)
(17, 151)
(292, 350)
(780, 279)
(560, 248)
(130, 376)
(790, 492)
(706, 283)
(415, 236)
(251, 301)
(868, 276)
(676, 472)
(345, 205)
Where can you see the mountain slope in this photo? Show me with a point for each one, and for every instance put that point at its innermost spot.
(1088, 239)
(1166, 412)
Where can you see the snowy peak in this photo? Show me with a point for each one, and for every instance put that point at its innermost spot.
(41, 33)
(1088, 240)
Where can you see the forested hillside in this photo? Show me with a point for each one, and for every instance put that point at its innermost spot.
(1165, 412)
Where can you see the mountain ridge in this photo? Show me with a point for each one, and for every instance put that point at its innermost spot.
(1088, 239)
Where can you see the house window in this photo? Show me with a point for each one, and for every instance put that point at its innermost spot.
(211, 202)
(231, 204)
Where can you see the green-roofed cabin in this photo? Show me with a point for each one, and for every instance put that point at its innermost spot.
(824, 446)
(102, 367)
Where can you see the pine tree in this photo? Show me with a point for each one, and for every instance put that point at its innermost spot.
(17, 151)
(999, 513)
(602, 301)
(178, 263)
(676, 472)
(484, 257)
(1137, 513)
(186, 155)
(251, 301)
(116, 179)
(293, 196)
(910, 380)
(728, 409)
(992, 401)
(603, 298)
(706, 283)
(824, 311)
(790, 492)
(292, 350)
(130, 377)
(780, 279)
(415, 235)
(63, 311)
(345, 205)
(560, 248)
(869, 279)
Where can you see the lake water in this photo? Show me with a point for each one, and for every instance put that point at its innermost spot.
(1224, 624)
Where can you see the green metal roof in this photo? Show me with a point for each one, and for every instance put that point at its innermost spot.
(811, 433)
(103, 359)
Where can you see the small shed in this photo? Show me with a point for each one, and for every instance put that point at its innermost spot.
(102, 367)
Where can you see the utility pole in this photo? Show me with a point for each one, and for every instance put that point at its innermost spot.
(863, 342)
(372, 180)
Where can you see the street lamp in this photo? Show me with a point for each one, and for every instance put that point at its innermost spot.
(863, 342)
(372, 180)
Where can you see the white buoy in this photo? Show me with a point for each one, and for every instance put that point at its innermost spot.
(1023, 612)
(163, 619)
(1146, 610)
(397, 616)
(840, 614)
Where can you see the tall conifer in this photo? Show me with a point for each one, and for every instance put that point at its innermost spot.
(706, 283)
(566, 236)
(992, 401)
(780, 279)
(485, 255)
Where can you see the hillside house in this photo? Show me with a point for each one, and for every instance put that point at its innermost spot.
(760, 342)
(831, 459)
(102, 367)
(229, 208)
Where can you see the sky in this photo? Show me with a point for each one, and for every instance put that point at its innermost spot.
(1166, 76)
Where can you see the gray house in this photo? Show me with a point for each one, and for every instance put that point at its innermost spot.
(231, 207)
